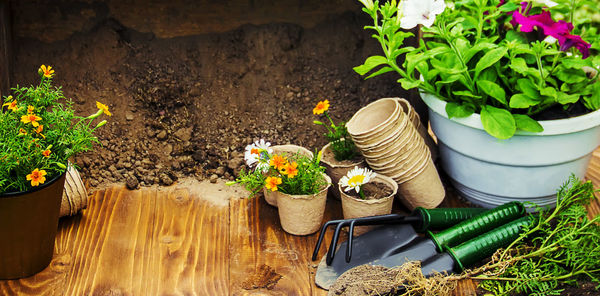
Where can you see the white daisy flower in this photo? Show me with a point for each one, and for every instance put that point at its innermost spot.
(258, 154)
(356, 178)
(415, 12)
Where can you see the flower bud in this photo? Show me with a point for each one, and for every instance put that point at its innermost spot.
(60, 165)
(103, 122)
(98, 113)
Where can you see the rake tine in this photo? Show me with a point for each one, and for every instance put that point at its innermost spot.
(350, 238)
(334, 240)
(321, 236)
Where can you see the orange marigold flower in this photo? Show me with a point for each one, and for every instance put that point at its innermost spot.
(103, 107)
(11, 105)
(22, 131)
(255, 151)
(46, 153)
(321, 107)
(272, 183)
(278, 162)
(46, 71)
(31, 118)
(36, 177)
(290, 169)
(40, 128)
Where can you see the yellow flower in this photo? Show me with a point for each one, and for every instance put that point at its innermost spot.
(36, 177)
(290, 169)
(46, 153)
(103, 107)
(30, 109)
(11, 105)
(321, 107)
(31, 118)
(46, 71)
(278, 162)
(272, 183)
(22, 131)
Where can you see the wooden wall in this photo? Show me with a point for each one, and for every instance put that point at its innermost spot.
(5, 48)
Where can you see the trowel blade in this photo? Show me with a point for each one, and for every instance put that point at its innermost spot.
(376, 244)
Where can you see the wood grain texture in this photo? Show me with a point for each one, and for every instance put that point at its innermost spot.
(179, 241)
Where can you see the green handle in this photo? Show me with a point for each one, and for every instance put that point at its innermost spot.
(483, 246)
(477, 225)
(438, 219)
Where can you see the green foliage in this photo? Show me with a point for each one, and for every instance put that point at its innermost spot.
(476, 61)
(342, 146)
(58, 131)
(560, 248)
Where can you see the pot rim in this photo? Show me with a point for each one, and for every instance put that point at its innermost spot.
(551, 127)
(309, 196)
(43, 186)
(384, 179)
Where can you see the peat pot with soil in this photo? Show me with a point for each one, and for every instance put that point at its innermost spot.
(40, 133)
(512, 99)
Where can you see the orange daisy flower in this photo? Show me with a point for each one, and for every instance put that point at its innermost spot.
(46, 153)
(290, 169)
(103, 107)
(278, 162)
(46, 71)
(36, 177)
(272, 183)
(321, 107)
(11, 105)
(31, 118)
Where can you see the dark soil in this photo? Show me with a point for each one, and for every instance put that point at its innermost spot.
(188, 106)
(373, 190)
(330, 157)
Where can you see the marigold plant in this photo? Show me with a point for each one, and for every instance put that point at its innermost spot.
(342, 146)
(39, 132)
(294, 174)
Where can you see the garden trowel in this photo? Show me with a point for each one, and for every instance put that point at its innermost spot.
(394, 244)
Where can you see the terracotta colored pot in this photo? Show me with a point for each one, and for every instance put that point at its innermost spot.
(28, 225)
(354, 207)
(337, 169)
(270, 196)
(302, 214)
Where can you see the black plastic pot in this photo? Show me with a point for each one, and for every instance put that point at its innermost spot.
(28, 225)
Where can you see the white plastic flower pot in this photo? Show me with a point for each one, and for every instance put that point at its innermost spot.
(527, 167)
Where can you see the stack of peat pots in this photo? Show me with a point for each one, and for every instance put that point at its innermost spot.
(386, 133)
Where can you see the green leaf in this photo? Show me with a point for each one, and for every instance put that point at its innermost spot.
(528, 88)
(549, 92)
(498, 122)
(526, 123)
(564, 98)
(519, 65)
(508, 7)
(592, 102)
(571, 75)
(465, 93)
(521, 101)
(449, 80)
(380, 71)
(459, 110)
(369, 64)
(512, 35)
(471, 52)
(444, 68)
(490, 58)
(409, 84)
(493, 90)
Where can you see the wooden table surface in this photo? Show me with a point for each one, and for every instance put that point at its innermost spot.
(180, 240)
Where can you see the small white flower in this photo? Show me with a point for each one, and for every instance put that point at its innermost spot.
(422, 12)
(368, 4)
(547, 3)
(258, 152)
(550, 40)
(356, 178)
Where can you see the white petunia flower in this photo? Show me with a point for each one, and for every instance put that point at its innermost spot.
(422, 12)
(258, 154)
(547, 3)
(356, 178)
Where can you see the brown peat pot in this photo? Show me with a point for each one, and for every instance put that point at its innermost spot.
(28, 226)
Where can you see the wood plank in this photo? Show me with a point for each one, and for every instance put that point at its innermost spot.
(257, 241)
(5, 48)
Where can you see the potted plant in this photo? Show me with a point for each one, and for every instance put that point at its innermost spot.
(340, 155)
(288, 149)
(298, 182)
(365, 193)
(39, 132)
(512, 93)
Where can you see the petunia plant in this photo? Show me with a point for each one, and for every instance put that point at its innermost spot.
(294, 174)
(342, 146)
(39, 132)
(514, 62)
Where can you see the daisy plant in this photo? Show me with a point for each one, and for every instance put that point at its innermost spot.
(512, 61)
(39, 132)
(294, 174)
(355, 179)
(342, 145)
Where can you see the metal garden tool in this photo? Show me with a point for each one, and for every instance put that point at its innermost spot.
(378, 245)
